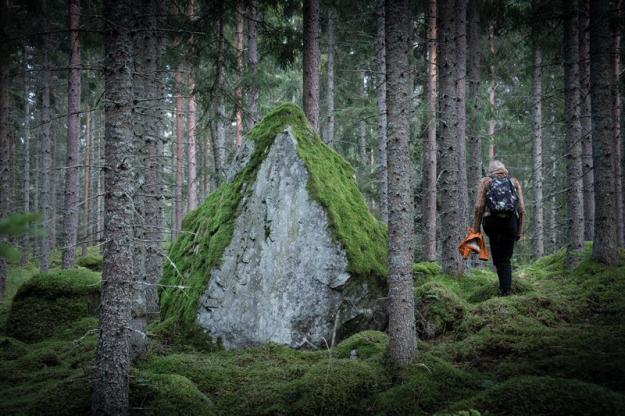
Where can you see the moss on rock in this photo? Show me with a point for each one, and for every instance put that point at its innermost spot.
(91, 261)
(207, 231)
(368, 344)
(52, 300)
(438, 309)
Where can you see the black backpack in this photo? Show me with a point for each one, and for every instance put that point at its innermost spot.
(501, 197)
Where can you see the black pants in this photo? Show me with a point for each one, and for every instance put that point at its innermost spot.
(502, 234)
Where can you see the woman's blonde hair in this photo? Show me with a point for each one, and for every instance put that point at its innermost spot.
(496, 165)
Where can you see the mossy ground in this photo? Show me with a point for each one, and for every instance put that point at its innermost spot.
(556, 347)
(207, 231)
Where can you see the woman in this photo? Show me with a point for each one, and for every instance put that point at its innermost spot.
(499, 207)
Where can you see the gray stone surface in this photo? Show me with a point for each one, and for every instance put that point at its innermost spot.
(283, 277)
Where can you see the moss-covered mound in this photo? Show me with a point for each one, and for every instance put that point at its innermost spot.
(49, 301)
(208, 230)
(91, 261)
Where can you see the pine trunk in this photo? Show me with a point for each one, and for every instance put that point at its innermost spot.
(574, 197)
(537, 145)
(238, 93)
(179, 154)
(329, 136)
(86, 185)
(429, 143)
(192, 197)
(219, 143)
(585, 118)
(362, 125)
(26, 207)
(110, 395)
(491, 92)
(46, 155)
(381, 100)
(402, 333)
(616, 119)
(72, 187)
(311, 62)
(252, 62)
(4, 154)
(460, 92)
(452, 194)
(473, 75)
(605, 241)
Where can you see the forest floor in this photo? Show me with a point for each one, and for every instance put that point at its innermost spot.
(555, 347)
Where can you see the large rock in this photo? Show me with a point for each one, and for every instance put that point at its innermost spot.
(304, 261)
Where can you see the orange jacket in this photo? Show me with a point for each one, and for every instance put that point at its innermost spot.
(473, 242)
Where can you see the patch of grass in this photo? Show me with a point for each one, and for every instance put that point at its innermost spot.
(49, 301)
(207, 231)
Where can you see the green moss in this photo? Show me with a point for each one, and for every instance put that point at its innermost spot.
(425, 270)
(92, 262)
(167, 394)
(438, 309)
(49, 301)
(426, 386)
(519, 287)
(546, 396)
(15, 278)
(368, 344)
(207, 231)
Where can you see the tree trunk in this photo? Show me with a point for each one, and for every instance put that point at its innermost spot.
(179, 155)
(473, 75)
(46, 152)
(491, 92)
(402, 332)
(110, 395)
(362, 125)
(605, 243)
(219, 142)
(252, 62)
(381, 98)
(192, 186)
(4, 152)
(460, 89)
(311, 62)
(429, 142)
(329, 136)
(453, 195)
(616, 119)
(574, 197)
(537, 144)
(72, 187)
(26, 207)
(238, 93)
(585, 119)
(86, 183)
(553, 225)
(154, 180)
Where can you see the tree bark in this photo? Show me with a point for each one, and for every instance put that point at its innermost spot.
(252, 114)
(72, 187)
(4, 151)
(604, 247)
(491, 93)
(311, 62)
(329, 136)
(381, 100)
(362, 125)
(192, 188)
(26, 206)
(402, 332)
(473, 75)
(179, 155)
(585, 119)
(110, 395)
(238, 92)
(574, 197)
(461, 109)
(46, 151)
(537, 144)
(219, 143)
(453, 195)
(429, 143)
(86, 183)
(616, 119)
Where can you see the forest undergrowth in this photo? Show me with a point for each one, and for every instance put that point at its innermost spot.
(555, 347)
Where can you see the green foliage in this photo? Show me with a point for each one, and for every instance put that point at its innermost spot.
(15, 225)
(92, 262)
(207, 231)
(49, 301)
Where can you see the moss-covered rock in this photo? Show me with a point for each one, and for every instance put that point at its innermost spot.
(92, 262)
(198, 253)
(52, 300)
(437, 309)
(546, 396)
(367, 344)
